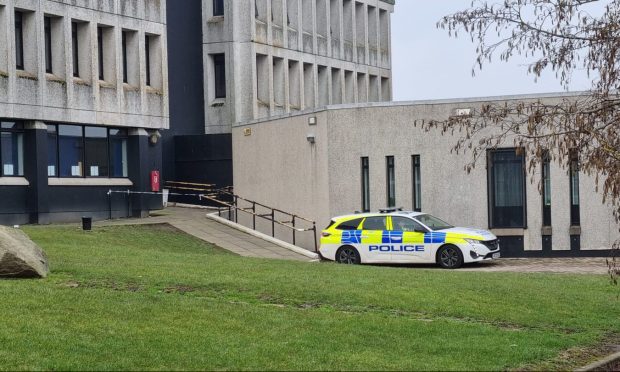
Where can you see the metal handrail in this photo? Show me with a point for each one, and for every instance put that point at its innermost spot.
(271, 216)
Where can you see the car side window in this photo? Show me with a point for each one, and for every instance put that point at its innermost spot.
(350, 225)
(406, 224)
(375, 223)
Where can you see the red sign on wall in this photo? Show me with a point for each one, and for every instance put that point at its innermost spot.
(155, 181)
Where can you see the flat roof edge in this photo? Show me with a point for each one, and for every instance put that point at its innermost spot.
(447, 101)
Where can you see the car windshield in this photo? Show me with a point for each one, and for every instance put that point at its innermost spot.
(432, 222)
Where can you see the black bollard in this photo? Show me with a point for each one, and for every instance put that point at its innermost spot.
(87, 223)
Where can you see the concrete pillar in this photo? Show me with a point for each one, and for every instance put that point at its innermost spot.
(35, 171)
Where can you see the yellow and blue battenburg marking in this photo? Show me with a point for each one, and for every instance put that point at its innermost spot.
(389, 237)
(352, 237)
(434, 238)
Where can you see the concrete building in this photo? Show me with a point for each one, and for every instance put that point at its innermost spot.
(265, 58)
(83, 98)
(345, 158)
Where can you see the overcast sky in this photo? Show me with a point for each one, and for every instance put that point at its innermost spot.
(428, 64)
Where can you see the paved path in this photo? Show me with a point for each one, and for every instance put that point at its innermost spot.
(194, 222)
(543, 265)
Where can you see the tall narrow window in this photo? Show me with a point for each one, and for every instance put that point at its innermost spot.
(11, 149)
(546, 189)
(124, 51)
(507, 189)
(218, 7)
(147, 52)
(391, 182)
(96, 151)
(75, 47)
(70, 151)
(575, 219)
(118, 153)
(417, 184)
(52, 150)
(47, 28)
(365, 185)
(100, 52)
(219, 70)
(19, 40)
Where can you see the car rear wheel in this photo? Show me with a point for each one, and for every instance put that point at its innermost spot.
(348, 255)
(449, 257)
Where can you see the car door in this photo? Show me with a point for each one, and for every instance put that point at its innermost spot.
(372, 238)
(412, 248)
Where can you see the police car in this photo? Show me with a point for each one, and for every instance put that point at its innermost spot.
(394, 236)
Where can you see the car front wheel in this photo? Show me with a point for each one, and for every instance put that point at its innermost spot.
(449, 257)
(348, 255)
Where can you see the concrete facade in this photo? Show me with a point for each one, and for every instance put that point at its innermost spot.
(32, 93)
(315, 171)
(84, 71)
(285, 56)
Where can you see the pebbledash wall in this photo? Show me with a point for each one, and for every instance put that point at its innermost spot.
(316, 171)
(83, 97)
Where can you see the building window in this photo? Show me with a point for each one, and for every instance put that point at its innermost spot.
(75, 50)
(391, 182)
(417, 183)
(52, 151)
(77, 151)
(218, 7)
(124, 51)
(19, 40)
(47, 28)
(100, 52)
(575, 219)
(118, 153)
(219, 70)
(147, 52)
(365, 185)
(11, 149)
(96, 151)
(507, 189)
(546, 189)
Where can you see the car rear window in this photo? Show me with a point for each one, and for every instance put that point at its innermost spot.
(350, 225)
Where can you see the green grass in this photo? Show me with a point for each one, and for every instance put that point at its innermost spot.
(135, 298)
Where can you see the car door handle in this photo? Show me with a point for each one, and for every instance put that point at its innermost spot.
(364, 236)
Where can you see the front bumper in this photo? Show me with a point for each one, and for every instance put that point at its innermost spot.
(480, 252)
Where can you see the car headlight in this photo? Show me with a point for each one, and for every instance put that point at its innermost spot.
(472, 241)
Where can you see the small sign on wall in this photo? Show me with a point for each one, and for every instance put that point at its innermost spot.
(247, 132)
(8, 170)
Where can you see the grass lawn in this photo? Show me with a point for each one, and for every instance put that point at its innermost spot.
(135, 298)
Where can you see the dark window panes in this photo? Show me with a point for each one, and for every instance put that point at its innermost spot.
(47, 26)
(118, 153)
(100, 52)
(218, 7)
(11, 125)
(19, 40)
(96, 151)
(52, 151)
(507, 189)
(70, 151)
(365, 185)
(575, 218)
(350, 225)
(147, 52)
(75, 49)
(375, 223)
(391, 182)
(124, 57)
(406, 224)
(417, 184)
(219, 69)
(546, 189)
(12, 153)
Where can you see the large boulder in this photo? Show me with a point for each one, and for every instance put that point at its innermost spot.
(20, 257)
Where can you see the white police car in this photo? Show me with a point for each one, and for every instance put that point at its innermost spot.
(393, 236)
